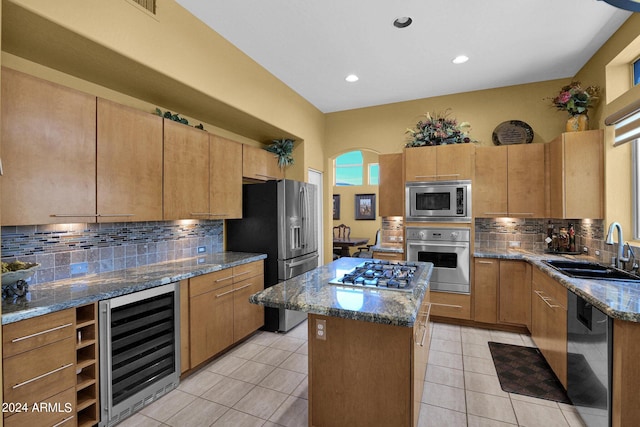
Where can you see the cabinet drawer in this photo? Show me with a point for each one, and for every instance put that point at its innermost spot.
(245, 271)
(456, 306)
(60, 411)
(549, 287)
(392, 256)
(32, 333)
(208, 282)
(35, 375)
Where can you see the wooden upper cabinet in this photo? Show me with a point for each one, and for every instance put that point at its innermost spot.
(129, 164)
(186, 172)
(391, 187)
(49, 152)
(259, 164)
(225, 178)
(490, 183)
(439, 163)
(576, 175)
(525, 181)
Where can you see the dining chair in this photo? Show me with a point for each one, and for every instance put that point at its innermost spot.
(365, 251)
(340, 232)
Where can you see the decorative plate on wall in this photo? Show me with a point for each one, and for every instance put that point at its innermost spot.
(512, 132)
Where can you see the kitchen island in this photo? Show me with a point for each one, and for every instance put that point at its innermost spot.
(368, 347)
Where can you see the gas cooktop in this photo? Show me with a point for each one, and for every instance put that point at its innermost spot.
(381, 274)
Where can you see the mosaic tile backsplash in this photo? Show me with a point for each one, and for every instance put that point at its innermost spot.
(529, 234)
(73, 250)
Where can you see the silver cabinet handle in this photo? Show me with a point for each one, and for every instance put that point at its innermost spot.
(446, 305)
(39, 377)
(426, 326)
(224, 278)
(63, 421)
(74, 215)
(426, 176)
(448, 174)
(485, 262)
(242, 287)
(26, 337)
(496, 213)
(521, 213)
(241, 274)
(116, 215)
(265, 176)
(546, 300)
(199, 213)
(225, 293)
(1, 168)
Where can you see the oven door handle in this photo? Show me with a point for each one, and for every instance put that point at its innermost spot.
(438, 244)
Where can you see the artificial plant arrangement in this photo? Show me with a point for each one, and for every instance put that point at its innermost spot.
(438, 129)
(574, 99)
(176, 118)
(283, 149)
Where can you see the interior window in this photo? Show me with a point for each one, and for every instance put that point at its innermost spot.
(374, 174)
(636, 72)
(348, 168)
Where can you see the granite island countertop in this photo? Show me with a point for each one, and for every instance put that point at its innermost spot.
(49, 297)
(617, 299)
(311, 293)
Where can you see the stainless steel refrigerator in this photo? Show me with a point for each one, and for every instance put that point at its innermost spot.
(278, 219)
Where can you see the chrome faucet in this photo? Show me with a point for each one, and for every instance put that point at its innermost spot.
(620, 258)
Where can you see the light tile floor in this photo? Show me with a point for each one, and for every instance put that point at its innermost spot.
(263, 382)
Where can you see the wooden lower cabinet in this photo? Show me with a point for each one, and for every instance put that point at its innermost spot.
(625, 373)
(219, 310)
(549, 321)
(445, 304)
(486, 279)
(514, 297)
(355, 381)
(60, 414)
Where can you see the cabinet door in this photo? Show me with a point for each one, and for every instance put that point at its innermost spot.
(526, 186)
(576, 172)
(486, 276)
(260, 164)
(391, 187)
(247, 317)
(454, 162)
(515, 293)
(210, 323)
(129, 164)
(186, 172)
(420, 164)
(225, 178)
(490, 183)
(49, 152)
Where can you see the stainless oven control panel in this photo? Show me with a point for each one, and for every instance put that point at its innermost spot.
(438, 234)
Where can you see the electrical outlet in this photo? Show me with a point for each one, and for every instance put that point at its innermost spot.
(321, 329)
(79, 268)
(514, 244)
(202, 249)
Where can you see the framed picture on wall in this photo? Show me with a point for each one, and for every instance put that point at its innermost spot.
(366, 206)
(336, 206)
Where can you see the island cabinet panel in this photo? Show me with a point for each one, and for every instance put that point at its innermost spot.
(186, 172)
(576, 175)
(391, 187)
(48, 152)
(129, 164)
(486, 279)
(39, 363)
(625, 373)
(515, 293)
(220, 313)
(420, 357)
(373, 384)
(390, 256)
(439, 163)
(225, 178)
(549, 321)
(259, 164)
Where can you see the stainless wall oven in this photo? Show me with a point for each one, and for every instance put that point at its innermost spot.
(442, 201)
(449, 251)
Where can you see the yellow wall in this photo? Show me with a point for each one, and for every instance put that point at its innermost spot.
(618, 191)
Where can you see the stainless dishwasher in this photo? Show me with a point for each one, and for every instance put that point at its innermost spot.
(589, 358)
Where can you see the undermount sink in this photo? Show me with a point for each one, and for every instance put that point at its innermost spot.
(591, 270)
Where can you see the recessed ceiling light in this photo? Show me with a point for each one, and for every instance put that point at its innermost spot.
(351, 78)
(402, 22)
(460, 59)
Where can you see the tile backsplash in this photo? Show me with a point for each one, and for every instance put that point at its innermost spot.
(529, 234)
(71, 250)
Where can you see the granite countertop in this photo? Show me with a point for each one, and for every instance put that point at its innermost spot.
(389, 249)
(617, 299)
(311, 293)
(49, 297)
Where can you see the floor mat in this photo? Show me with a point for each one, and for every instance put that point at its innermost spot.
(523, 370)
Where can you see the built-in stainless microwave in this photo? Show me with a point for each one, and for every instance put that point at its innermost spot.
(438, 201)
